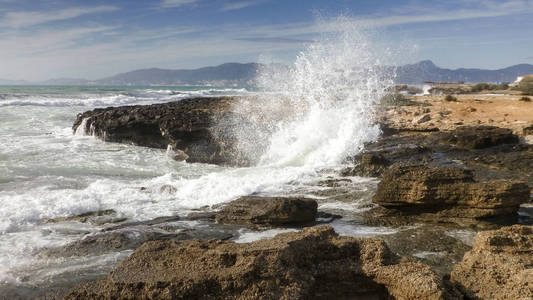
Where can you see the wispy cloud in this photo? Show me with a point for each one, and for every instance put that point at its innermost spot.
(480, 9)
(175, 3)
(241, 4)
(30, 18)
(275, 40)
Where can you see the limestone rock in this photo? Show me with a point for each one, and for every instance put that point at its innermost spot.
(369, 165)
(449, 191)
(527, 130)
(478, 137)
(313, 264)
(253, 210)
(422, 119)
(499, 266)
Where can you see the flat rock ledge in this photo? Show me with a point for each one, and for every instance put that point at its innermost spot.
(312, 264)
(268, 211)
(500, 266)
(448, 192)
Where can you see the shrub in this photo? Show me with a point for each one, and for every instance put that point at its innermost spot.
(393, 99)
(483, 86)
(525, 99)
(526, 86)
(480, 87)
(450, 98)
(411, 90)
(501, 86)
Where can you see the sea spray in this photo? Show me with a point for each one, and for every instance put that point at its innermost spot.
(82, 129)
(324, 102)
(307, 119)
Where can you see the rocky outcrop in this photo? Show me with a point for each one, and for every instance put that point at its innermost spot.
(499, 266)
(313, 264)
(200, 129)
(131, 235)
(435, 149)
(368, 165)
(250, 210)
(478, 137)
(448, 192)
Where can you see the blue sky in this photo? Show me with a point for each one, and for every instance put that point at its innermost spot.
(42, 39)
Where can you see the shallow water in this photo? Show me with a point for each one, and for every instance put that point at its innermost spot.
(49, 172)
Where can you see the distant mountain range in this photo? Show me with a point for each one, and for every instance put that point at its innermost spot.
(427, 71)
(243, 75)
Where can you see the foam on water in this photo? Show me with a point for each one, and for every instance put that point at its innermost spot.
(112, 98)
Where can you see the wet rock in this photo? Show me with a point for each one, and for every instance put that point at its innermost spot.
(431, 244)
(325, 217)
(499, 266)
(369, 165)
(133, 234)
(151, 222)
(478, 137)
(313, 264)
(180, 155)
(201, 215)
(448, 192)
(252, 210)
(106, 242)
(94, 217)
(198, 129)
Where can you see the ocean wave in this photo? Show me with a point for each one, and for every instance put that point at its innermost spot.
(142, 96)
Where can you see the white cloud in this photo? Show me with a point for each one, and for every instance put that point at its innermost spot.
(175, 3)
(478, 9)
(241, 4)
(29, 18)
(98, 51)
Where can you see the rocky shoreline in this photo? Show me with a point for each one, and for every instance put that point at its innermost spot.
(441, 184)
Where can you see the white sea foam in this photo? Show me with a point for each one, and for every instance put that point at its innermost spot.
(112, 98)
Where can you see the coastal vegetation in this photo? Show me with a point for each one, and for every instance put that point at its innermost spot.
(526, 86)
(450, 98)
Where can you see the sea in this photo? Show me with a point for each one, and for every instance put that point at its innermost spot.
(48, 171)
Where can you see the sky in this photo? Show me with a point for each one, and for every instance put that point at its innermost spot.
(43, 39)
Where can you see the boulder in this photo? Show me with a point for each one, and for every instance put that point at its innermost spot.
(368, 165)
(499, 266)
(478, 137)
(448, 191)
(313, 264)
(252, 210)
(198, 129)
